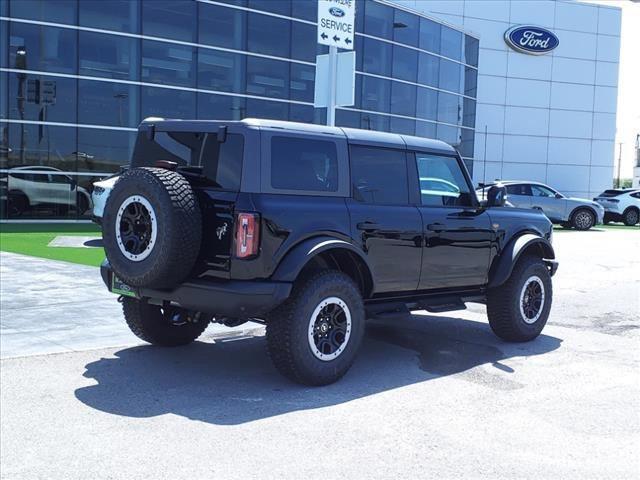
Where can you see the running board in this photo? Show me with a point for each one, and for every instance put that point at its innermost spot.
(448, 306)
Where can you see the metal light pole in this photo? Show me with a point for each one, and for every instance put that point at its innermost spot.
(21, 64)
(619, 164)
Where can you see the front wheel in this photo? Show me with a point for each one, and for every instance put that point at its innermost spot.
(313, 338)
(518, 310)
(583, 220)
(167, 327)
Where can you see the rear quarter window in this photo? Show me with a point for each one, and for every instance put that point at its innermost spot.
(304, 164)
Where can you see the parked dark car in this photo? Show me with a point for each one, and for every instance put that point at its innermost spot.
(310, 230)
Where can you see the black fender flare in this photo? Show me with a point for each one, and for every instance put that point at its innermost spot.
(503, 265)
(302, 253)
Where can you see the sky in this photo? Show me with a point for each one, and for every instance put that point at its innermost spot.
(628, 116)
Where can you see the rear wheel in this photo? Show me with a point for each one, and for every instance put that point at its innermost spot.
(518, 310)
(583, 219)
(313, 338)
(167, 327)
(631, 217)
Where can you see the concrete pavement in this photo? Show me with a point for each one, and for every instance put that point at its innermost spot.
(434, 397)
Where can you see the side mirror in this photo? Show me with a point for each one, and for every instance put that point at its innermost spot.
(496, 196)
(558, 195)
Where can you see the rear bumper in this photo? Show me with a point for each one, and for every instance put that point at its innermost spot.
(230, 298)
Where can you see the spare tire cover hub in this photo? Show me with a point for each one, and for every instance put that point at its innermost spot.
(136, 228)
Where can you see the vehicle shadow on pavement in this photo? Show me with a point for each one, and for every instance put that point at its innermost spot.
(233, 382)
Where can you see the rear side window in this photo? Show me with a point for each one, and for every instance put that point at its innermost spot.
(221, 162)
(379, 176)
(519, 190)
(611, 193)
(304, 164)
(442, 182)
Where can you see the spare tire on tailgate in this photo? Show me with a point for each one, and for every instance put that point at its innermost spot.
(152, 228)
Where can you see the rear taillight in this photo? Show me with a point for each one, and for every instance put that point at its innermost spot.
(247, 234)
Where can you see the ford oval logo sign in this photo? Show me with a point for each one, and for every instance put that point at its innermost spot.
(336, 12)
(531, 40)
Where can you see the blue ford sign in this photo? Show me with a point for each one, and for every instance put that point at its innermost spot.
(530, 39)
(336, 12)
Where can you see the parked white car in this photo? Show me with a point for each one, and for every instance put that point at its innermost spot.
(621, 205)
(48, 186)
(101, 191)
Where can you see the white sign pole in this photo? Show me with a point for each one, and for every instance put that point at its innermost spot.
(333, 69)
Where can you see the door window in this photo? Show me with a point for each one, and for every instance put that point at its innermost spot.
(542, 191)
(379, 176)
(518, 190)
(442, 182)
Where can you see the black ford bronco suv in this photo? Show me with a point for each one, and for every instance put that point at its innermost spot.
(311, 230)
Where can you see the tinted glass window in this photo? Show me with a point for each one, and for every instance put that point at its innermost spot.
(404, 126)
(467, 143)
(222, 26)
(169, 19)
(118, 15)
(403, 99)
(222, 162)
(45, 145)
(167, 103)
(55, 98)
(303, 43)
(267, 109)
(377, 57)
(518, 190)
(376, 94)
(471, 50)
(449, 134)
(267, 78)
(168, 63)
(281, 7)
(104, 150)
(451, 43)
(58, 11)
(442, 182)
(428, 69)
(104, 55)
(370, 121)
(406, 28)
(426, 129)
(222, 71)
(379, 176)
(470, 81)
(303, 164)
(377, 19)
(220, 107)
(404, 63)
(302, 82)
(269, 35)
(429, 35)
(449, 107)
(107, 103)
(35, 47)
(427, 103)
(468, 112)
(450, 75)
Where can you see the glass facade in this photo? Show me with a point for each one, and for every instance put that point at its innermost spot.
(77, 76)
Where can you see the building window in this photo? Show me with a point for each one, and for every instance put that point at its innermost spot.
(220, 107)
(404, 63)
(376, 94)
(428, 69)
(46, 98)
(449, 107)
(302, 82)
(267, 109)
(427, 104)
(269, 35)
(376, 57)
(451, 43)
(174, 19)
(104, 55)
(406, 28)
(403, 99)
(267, 78)
(167, 103)
(104, 150)
(450, 75)
(471, 50)
(168, 63)
(429, 35)
(118, 15)
(222, 26)
(108, 103)
(222, 71)
(57, 11)
(44, 145)
(50, 49)
(378, 20)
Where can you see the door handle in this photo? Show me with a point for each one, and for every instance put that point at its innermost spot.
(436, 227)
(367, 226)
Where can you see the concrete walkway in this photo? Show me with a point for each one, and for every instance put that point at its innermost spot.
(48, 306)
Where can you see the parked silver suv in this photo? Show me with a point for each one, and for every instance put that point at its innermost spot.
(579, 213)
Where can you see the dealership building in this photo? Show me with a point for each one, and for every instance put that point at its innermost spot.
(77, 76)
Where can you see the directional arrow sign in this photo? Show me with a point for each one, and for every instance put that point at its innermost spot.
(336, 23)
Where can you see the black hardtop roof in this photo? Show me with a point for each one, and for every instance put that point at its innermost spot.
(353, 135)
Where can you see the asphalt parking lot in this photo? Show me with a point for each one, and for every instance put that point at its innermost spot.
(430, 395)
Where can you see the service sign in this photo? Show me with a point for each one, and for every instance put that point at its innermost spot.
(336, 20)
(530, 39)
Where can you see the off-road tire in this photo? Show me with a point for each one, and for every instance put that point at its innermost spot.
(148, 323)
(503, 302)
(288, 329)
(179, 228)
(578, 222)
(630, 217)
